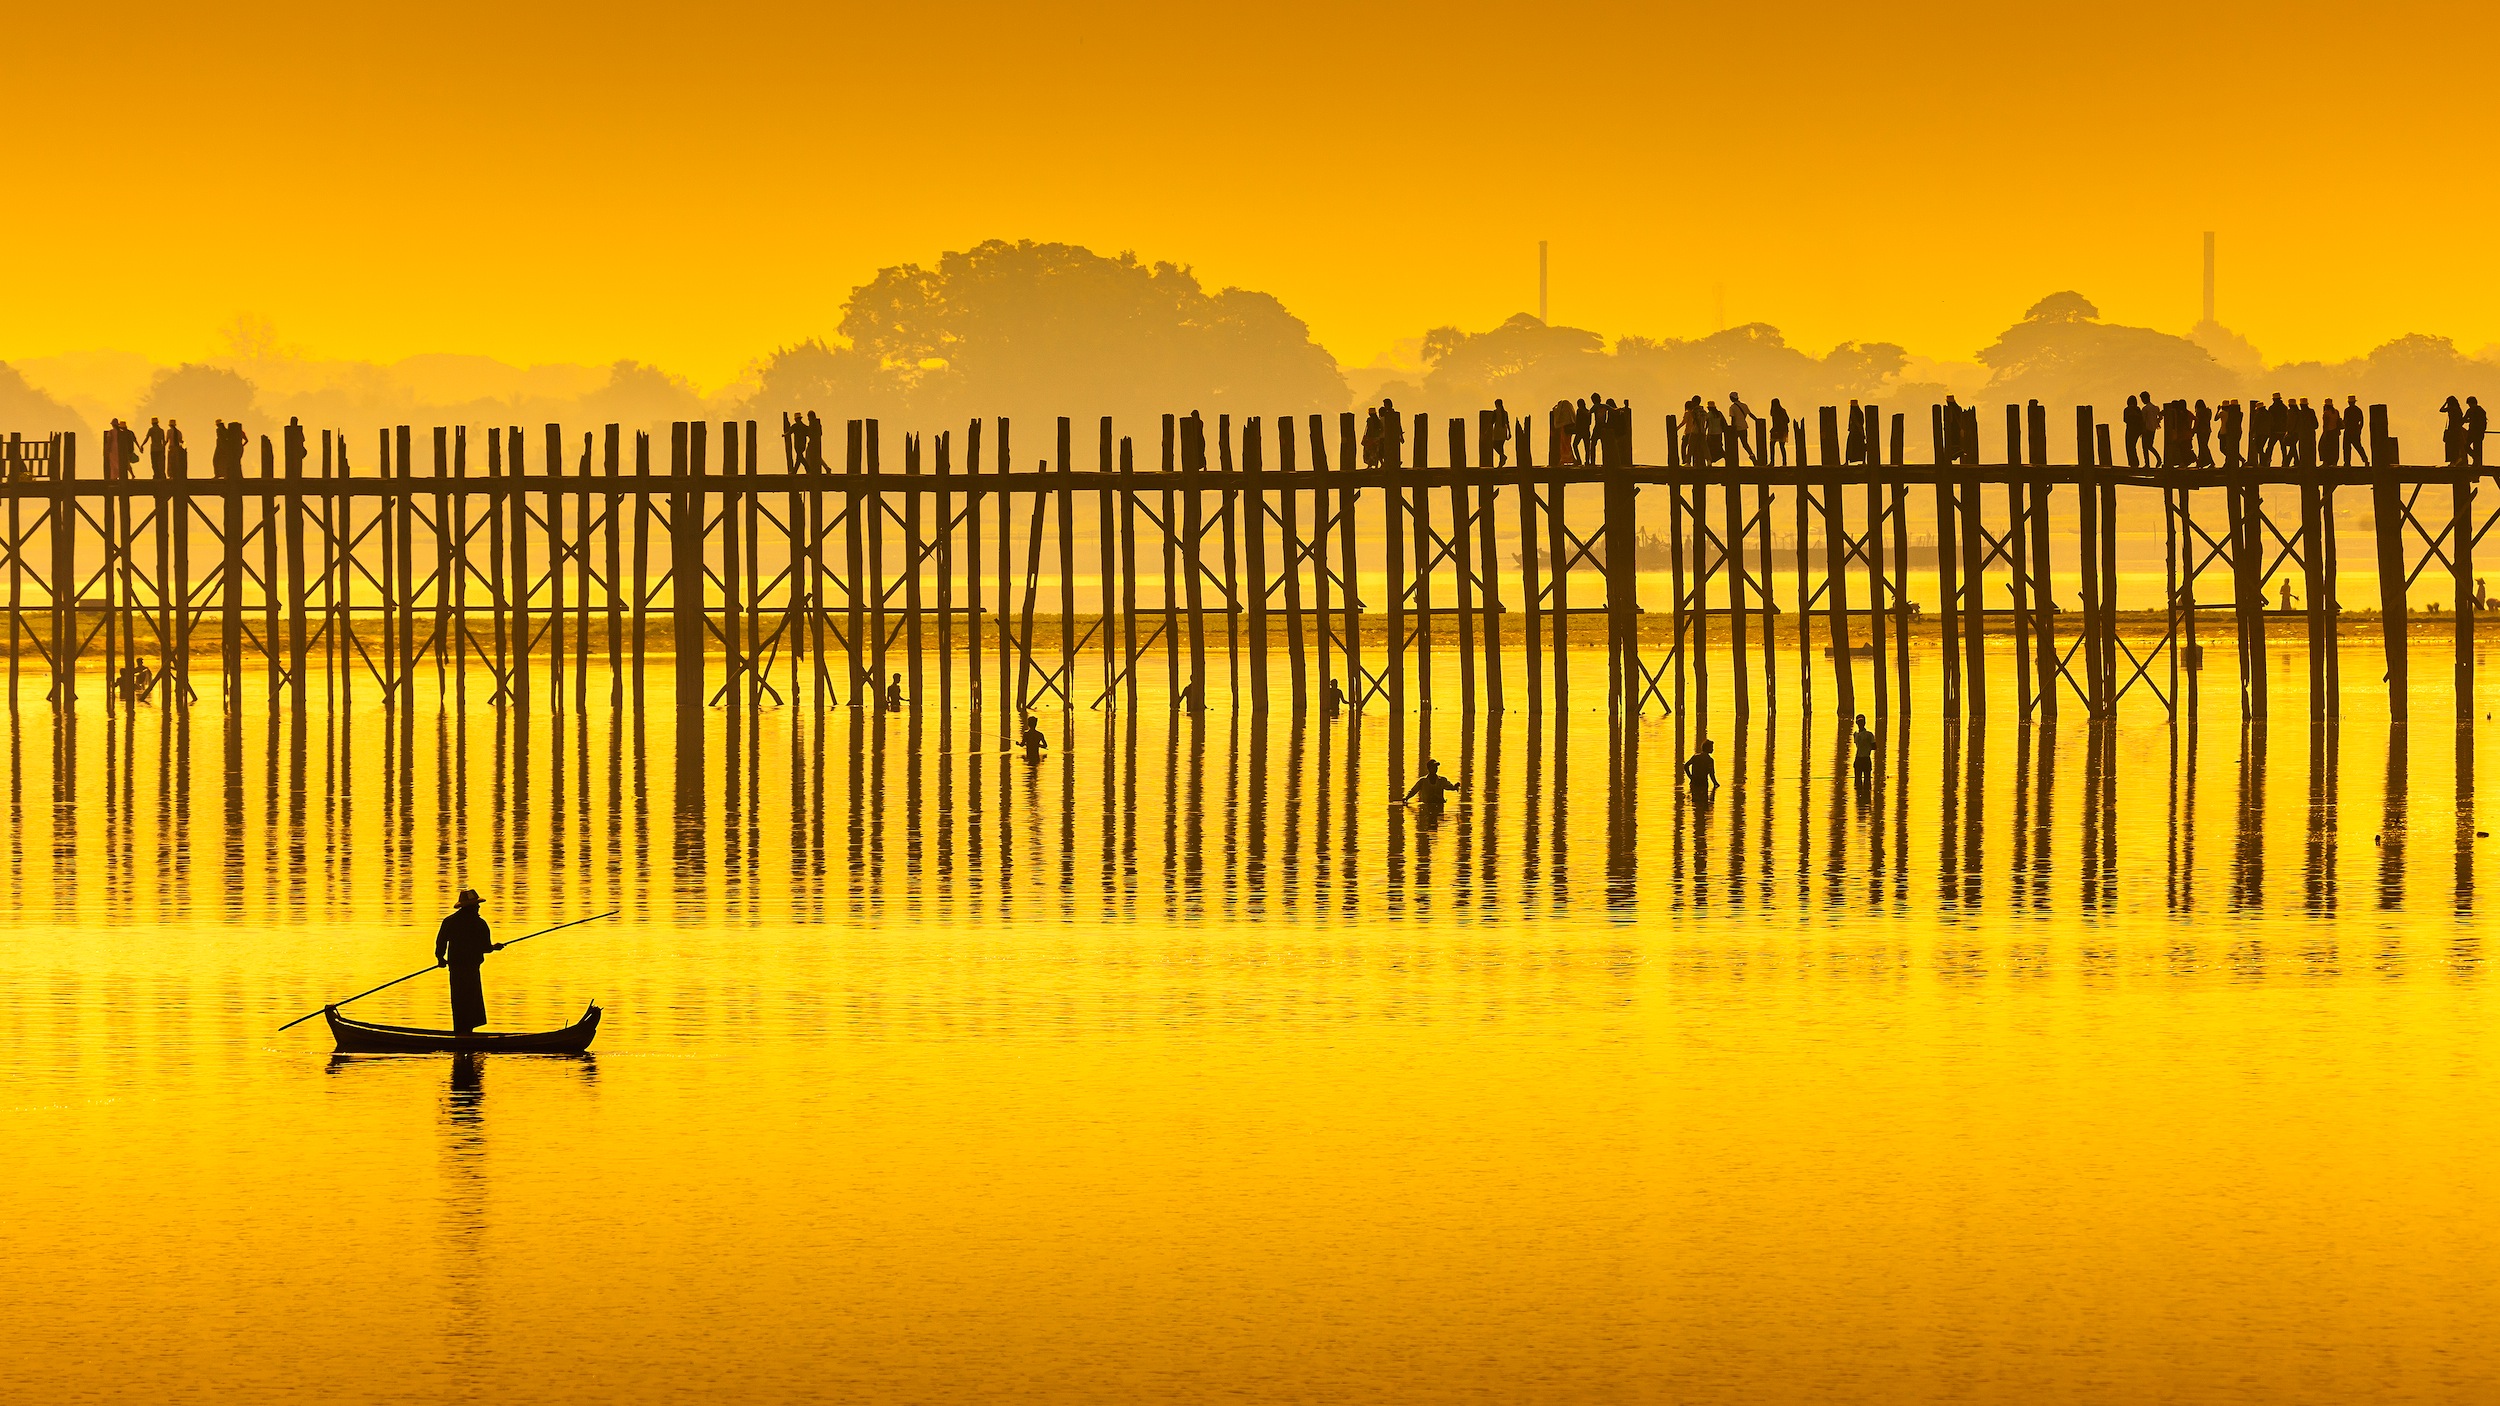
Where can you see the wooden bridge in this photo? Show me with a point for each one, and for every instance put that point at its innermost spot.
(804, 583)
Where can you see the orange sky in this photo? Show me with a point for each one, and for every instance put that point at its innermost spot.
(690, 186)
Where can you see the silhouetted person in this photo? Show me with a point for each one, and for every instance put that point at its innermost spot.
(2204, 427)
(2330, 433)
(1392, 435)
(1431, 789)
(1191, 696)
(1499, 433)
(2481, 602)
(156, 448)
(1032, 740)
(1332, 702)
(1779, 431)
(2477, 423)
(1371, 438)
(1854, 450)
(461, 944)
(2452, 435)
(2283, 595)
(1693, 426)
(894, 694)
(1862, 762)
(2230, 420)
(1714, 436)
(1701, 770)
(1740, 423)
(2152, 430)
(2354, 453)
(177, 454)
(2132, 420)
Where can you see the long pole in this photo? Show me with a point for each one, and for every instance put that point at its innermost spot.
(436, 966)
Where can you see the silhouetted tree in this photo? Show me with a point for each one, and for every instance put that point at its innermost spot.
(29, 411)
(198, 396)
(2062, 354)
(1054, 329)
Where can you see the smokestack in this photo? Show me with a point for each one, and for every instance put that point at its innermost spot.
(1540, 282)
(2209, 275)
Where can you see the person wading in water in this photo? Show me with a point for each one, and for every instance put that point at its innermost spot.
(461, 944)
(1431, 790)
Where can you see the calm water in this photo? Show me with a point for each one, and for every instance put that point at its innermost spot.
(2155, 1065)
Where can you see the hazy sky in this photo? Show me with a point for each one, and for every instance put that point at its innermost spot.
(693, 184)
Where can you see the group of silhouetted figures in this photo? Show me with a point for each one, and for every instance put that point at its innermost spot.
(803, 441)
(1708, 436)
(1595, 432)
(166, 455)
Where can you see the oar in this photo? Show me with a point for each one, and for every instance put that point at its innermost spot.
(437, 966)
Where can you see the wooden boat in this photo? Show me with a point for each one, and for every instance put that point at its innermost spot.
(358, 1037)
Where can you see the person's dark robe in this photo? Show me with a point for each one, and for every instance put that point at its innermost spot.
(461, 944)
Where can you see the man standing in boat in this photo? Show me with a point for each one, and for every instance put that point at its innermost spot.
(461, 944)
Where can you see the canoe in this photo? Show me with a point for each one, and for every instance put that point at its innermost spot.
(358, 1037)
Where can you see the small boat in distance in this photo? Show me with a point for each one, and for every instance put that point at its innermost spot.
(358, 1037)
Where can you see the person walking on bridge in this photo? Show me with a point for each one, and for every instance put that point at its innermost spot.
(460, 946)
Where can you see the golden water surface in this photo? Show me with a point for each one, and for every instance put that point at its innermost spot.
(2150, 1064)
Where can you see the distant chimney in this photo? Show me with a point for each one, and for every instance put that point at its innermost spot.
(2209, 275)
(1541, 284)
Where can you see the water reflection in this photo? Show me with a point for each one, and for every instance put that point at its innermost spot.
(1186, 815)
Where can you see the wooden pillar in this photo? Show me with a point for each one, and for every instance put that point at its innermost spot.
(1419, 512)
(1835, 566)
(1875, 579)
(516, 502)
(856, 658)
(404, 569)
(1253, 506)
(1681, 617)
(1193, 566)
(1106, 553)
(1128, 570)
(945, 552)
(2017, 559)
(972, 563)
(611, 453)
(685, 537)
(1228, 500)
(1463, 559)
(2461, 573)
(2314, 593)
(1531, 587)
(2088, 528)
(912, 561)
(557, 545)
(868, 690)
(642, 559)
(2387, 523)
(1172, 683)
(1622, 597)
(1348, 460)
(2110, 654)
(230, 498)
(1323, 518)
(1899, 493)
(1010, 649)
(269, 603)
(1732, 559)
(1394, 538)
(1974, 579)
(1948, 572)
(1290, 518)
(2036, 537)
(1558, 560)
(1489, 564)
(1699, 618)
(1066, 496)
